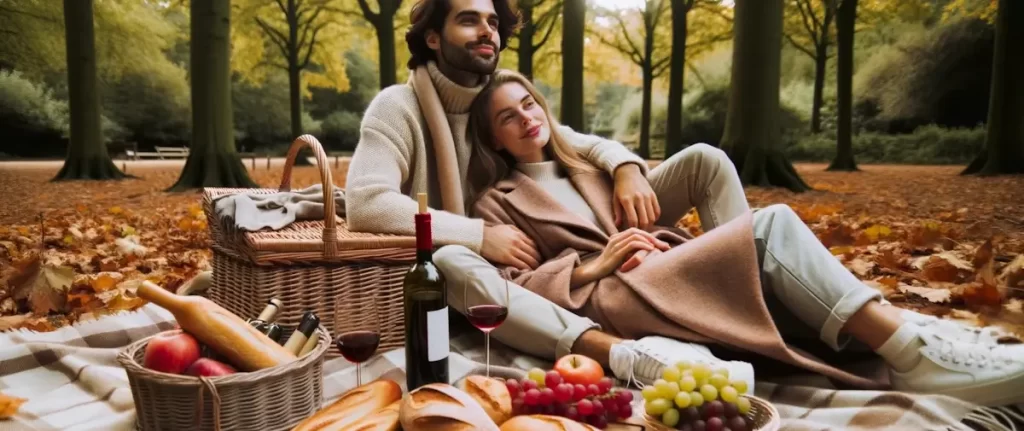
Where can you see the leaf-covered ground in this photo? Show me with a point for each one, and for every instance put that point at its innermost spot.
(926, 237)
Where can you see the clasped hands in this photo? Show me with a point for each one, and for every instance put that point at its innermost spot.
(634, 203)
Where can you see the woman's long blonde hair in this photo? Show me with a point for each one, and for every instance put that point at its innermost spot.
(487, 165)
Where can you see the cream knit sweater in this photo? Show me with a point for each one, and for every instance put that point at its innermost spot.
(395, 160)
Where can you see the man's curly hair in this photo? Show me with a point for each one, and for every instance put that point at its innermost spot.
(430, 15)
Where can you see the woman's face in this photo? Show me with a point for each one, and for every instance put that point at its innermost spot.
(519, 123)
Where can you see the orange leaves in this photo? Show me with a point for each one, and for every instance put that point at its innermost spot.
(9, 406)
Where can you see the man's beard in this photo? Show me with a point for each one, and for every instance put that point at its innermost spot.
(462, 58)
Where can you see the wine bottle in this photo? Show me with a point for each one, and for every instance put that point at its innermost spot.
(426, 311)
(225, 333)
(305, 331)
(265, 322)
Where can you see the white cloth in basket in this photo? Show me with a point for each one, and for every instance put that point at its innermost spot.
(253, 211)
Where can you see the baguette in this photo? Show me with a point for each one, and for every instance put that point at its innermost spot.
(385, 419)
(492, 395)
(544, 423)
(353, 406)
(441, 407)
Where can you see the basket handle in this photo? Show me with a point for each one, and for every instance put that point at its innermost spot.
(330, 237)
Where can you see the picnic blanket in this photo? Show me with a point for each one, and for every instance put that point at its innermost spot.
(71, 380)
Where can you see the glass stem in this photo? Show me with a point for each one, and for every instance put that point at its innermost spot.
(487, 347)
(359, 374)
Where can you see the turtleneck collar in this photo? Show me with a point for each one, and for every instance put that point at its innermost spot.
(541, 171)
(455, 98)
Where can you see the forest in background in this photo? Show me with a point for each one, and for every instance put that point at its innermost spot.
(922, 73)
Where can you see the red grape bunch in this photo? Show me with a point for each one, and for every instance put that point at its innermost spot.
(547, 393)
(695, 398)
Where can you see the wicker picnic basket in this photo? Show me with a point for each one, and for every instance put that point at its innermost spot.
(308, 264)
(274, 398)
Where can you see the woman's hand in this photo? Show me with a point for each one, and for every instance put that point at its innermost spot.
(620, 249)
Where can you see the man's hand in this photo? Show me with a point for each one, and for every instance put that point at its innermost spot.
(506, 244)
(634, 198)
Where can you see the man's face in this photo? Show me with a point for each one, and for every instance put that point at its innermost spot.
(469, 41)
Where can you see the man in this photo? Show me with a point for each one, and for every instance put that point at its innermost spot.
(405, 148)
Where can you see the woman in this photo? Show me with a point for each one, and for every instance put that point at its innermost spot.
(706, 289)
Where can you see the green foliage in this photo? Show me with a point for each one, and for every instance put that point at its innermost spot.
(152, 107)
(363, 79)
(261, 112)
(26, 107)
(940, 76)
(927, 145)
(340, 131)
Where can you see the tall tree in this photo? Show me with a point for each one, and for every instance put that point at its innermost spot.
(651, 65)
(383, 22)
(810, 31)
(87, 154)
(574, 16)
(752, 136)
(304, 34)
(212, 161)
(676, 73)
(544, 24)
(845, 22)
(1004, 135)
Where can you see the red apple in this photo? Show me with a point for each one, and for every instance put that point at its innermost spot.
(579, 369)
(209, 368)
(171, 352)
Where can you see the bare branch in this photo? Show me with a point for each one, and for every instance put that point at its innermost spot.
(704, 42)
(634, 56)
(661, 66)
(309, 49)
(799, 46)
(275, 36)
(547, 34)
(367, 13)
(306, 28)
(281, 6)
(269, 63)
(815, 23)
(625, 33)
(696, 74)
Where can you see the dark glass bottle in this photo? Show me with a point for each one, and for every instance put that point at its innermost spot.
(426, 311)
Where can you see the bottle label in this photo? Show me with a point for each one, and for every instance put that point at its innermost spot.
(437, 334)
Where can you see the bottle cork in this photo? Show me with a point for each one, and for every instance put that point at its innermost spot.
(422, 199)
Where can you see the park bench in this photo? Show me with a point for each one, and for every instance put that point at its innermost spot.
(160, 153)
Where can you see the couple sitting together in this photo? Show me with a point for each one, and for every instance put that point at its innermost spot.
(583, 229)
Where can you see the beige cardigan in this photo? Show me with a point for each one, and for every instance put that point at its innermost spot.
(394, 161)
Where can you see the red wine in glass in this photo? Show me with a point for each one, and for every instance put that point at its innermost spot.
(487, 317)
(358, 346)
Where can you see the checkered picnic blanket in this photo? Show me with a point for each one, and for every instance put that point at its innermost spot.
(72, 381)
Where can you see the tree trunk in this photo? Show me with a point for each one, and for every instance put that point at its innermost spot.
(676, 75)
(1004, 137)
(845, 21)
(573, 19)
(87, 157)
(645, 103)
(752, 135)
(213, 160)
(295, 82)
(386, 43)
(526, 33)
(820, 61)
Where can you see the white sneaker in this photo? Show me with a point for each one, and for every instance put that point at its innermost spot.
(642, 360)
(986, 374)
(958, 330)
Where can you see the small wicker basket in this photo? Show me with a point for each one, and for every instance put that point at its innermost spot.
(275, 398)
(308, 264)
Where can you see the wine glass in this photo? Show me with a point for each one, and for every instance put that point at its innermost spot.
(487, 311)
(357, 323)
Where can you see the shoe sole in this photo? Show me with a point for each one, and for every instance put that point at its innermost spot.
(975, 394)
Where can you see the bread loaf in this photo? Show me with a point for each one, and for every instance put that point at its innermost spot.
(353, 406)
(544, 423)
(440, 407)
(385, 419)
(492, 395)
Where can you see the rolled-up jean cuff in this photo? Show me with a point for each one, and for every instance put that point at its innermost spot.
(847, 306)
(572, 333)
